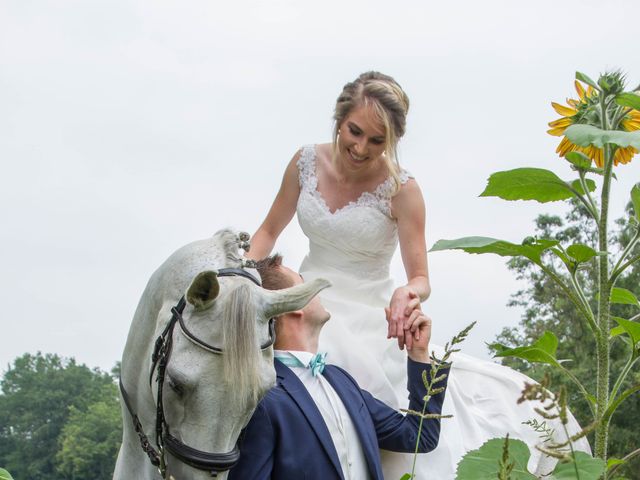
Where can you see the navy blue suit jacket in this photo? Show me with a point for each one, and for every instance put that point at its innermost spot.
(287, 437)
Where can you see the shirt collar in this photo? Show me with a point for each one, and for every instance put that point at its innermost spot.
(304, 357)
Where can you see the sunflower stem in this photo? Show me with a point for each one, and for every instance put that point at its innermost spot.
(589, 203)
(604, 302)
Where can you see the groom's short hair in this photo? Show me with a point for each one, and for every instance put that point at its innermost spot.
(273, 278)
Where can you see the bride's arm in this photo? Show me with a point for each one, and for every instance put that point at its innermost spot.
(409, 210)
(280, 214)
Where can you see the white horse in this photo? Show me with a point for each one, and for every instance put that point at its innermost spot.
(198, 358)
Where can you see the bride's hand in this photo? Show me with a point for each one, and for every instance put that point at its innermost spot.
(403, 301)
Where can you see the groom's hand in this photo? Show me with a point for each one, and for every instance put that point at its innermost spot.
(418, 331)
(403, 302)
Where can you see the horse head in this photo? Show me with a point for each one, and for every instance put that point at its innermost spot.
(198, 359)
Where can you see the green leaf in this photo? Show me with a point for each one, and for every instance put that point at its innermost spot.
(628, 99)
(635, 199)
(4, 475)
(529, 184)
(586, 79)
(542, 350)
(531, 250)
(612, 462)
(483, 463)
(616, 331)
(581, 253)
(631, 328)
(406, 476)
(589, 468)
(623, 296)
(585, 135)
(577, 186)
(579, 159)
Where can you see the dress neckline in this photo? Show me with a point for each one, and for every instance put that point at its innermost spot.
(364, 198)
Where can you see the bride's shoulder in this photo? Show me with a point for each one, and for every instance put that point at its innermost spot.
(308, 156)
(408, 197)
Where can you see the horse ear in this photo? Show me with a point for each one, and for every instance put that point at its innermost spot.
(290, 299)
(203, 289)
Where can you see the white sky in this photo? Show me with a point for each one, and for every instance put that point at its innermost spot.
(129, 128)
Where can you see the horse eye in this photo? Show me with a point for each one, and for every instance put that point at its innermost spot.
(175, 386)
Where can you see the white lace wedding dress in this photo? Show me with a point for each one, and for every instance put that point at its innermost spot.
(352, 247)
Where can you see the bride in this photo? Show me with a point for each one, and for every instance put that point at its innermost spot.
(355, 204)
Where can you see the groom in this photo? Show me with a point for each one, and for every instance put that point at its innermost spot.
(316, 423)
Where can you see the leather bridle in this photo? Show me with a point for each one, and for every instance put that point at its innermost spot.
(214, 463)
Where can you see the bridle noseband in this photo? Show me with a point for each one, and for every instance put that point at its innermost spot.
(208, 461)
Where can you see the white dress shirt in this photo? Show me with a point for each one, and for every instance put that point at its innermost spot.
(343, 433)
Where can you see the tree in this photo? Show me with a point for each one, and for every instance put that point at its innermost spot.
(90, 440)
(546, 308)
(40, 393)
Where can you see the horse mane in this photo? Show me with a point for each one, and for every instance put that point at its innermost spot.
(242, 350)
(229, 240)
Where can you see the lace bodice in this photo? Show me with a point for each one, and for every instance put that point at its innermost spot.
(359, 238)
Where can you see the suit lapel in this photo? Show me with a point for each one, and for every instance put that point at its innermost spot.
(352, 401)
(291, 384)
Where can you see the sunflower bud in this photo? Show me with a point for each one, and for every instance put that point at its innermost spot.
(612, 83)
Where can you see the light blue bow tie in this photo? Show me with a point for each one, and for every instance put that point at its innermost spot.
(316, 364)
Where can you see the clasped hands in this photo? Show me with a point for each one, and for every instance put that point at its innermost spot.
(408, 323)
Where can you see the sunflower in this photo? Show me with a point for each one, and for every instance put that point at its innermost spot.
(582, 111)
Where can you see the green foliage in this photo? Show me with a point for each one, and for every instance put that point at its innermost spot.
(40, 394)
(90, 440)
(630, 100)
(437, 365)
(635, 200)
(484, 463)
(546, 308)
(4, 475)
(585, 135)
(623, 296)
(583, 77)
(598, 124)
(631, 328)
(588, 468)
(531, 184)
(581, 253)
(542, 350)
(530, 248)
(578, 160)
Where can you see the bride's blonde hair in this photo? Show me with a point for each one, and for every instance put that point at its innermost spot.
(390, 104)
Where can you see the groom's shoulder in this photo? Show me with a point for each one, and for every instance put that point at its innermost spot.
(340, 373)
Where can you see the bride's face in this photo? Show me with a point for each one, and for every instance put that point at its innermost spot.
(361, 139)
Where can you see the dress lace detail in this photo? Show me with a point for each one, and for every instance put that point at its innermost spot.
(379, 198)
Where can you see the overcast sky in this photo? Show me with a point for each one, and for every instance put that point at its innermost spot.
(129, 128)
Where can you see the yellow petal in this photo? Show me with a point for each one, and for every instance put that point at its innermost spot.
(597, 157)
(556, 132)
(629, 125)
(564, 147)
(561, 122)
(579, 89)
(562, 110)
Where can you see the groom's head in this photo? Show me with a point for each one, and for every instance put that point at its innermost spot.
(276, 276)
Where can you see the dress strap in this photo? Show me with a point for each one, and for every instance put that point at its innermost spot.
(307, 168)
(386, 190)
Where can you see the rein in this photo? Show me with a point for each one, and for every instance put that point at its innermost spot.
(214, 463)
